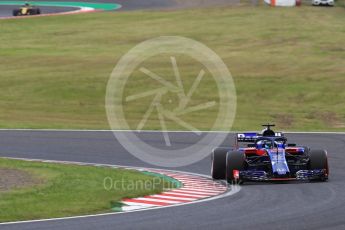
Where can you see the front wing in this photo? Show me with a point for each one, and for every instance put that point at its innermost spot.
(254, 175)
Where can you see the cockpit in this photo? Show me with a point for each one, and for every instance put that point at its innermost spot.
(270, 143)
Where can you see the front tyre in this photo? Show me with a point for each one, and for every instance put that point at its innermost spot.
(318, 160)
(219, 163)
(235, 162)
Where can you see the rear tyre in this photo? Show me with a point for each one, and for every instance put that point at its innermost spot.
(15, 12)
(219, 163)
(318, 160)
(235, 160)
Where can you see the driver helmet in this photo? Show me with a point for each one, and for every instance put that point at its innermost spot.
(267, 145)
(264, 144)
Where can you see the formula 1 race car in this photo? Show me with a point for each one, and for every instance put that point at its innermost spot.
(26, 10)
(268, 157)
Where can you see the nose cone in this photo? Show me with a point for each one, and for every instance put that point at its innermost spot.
(280, 168)
(278, 161)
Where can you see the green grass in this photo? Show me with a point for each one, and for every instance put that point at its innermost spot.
(68, 190)
(288, 65)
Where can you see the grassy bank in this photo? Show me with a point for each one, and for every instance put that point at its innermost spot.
(288, 65)
(67, 190)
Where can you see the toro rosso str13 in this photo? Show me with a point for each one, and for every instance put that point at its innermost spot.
(268, 157)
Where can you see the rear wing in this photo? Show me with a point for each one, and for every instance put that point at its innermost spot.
(247, 137)
(252, 137)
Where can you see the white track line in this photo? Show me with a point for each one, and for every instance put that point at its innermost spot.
(139, 205)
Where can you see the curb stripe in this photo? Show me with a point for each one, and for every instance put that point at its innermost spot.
(145, 202)
(195, 193)
(184, 196)
(131, 205)
(205, 188)
(193, 188)
(165, 198)
(200, 190)
(173, 197)
(155, 199)
(199, 184)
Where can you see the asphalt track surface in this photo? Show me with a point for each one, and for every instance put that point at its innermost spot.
(128, 5)
(6, 10)
(287, 205)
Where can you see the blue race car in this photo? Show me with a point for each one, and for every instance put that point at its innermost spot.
(268, 157)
